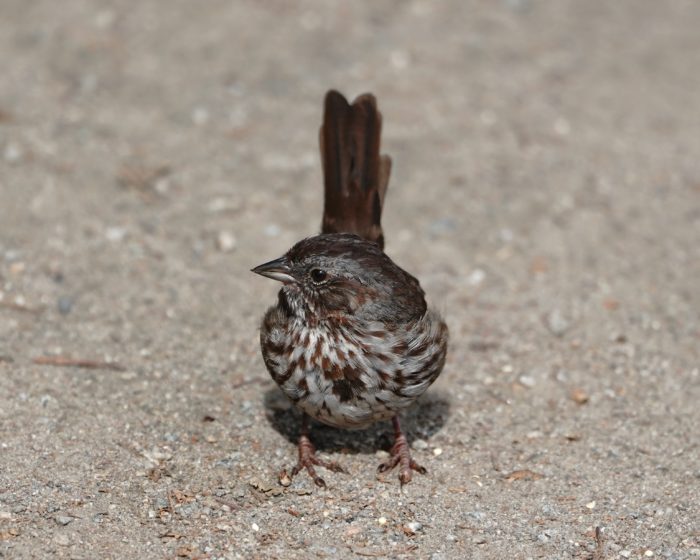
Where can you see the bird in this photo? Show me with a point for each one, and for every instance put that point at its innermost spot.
(351, 340)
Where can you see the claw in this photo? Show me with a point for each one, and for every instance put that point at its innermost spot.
(335, 467)
(389, 464)
(405, 477)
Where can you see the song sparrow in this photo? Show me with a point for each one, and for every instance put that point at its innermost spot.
(351, 340)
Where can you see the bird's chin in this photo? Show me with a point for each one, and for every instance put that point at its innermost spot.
(294, 299)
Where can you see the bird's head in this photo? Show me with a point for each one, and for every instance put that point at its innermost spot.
(342, 274)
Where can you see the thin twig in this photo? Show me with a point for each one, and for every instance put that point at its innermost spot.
(15, 306)
(228, 503)
(494, 462)
(66, 361)
(523, 474)
(171, 505)
(240, 382)
(375, 553)
(599, 553)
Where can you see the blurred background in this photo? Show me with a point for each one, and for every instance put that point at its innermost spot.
(545, 190)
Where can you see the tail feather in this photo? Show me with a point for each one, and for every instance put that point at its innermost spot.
(356, 176)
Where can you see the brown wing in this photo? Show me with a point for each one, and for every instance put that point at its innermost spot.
(355, 175)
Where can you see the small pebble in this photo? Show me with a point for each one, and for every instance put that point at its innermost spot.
(228, 463)
(17, 268)
(5, 515)
(579, 396)
(221, 204)
(62, 539)
(12, 255)
(255, 527)
(353, 530)
(557, 323)
(161, 502)
(65, 305)
(285, 479)
(225, 241)
(437, 451)
(63, 519)
(382, 454)
(562, 127)
(414, 526)
(527, 381)
(400, 59)
(13, 152)
(476, 277)
(115, 234)
(443, 226)
(105, 19)
(517, 5)
(382, 520)
(162, 185)
(200, 116)
(649, 553)
(618, 337)
(625, 553)
(420, 444)
(477, 515)
(591, 505)
(272, 230)
(160, 455)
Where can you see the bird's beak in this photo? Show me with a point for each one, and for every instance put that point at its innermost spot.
(278, 269)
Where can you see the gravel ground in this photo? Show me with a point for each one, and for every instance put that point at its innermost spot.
(546, 191)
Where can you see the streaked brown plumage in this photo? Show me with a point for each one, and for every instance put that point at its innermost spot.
(351, 340)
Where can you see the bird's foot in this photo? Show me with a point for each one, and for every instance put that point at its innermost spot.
(401, 455)
(307, 461)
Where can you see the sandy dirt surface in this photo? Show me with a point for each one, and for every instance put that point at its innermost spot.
(546, 191)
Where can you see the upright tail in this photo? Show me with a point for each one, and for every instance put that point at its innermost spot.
(355, 175)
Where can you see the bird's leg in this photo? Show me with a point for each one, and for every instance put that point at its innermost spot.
(307, 459)
(401, 455)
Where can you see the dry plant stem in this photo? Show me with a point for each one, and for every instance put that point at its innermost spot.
(65, 361)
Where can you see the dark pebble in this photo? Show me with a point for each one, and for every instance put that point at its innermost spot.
(65, 305)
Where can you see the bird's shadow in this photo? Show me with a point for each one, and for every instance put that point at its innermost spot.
(425, 418)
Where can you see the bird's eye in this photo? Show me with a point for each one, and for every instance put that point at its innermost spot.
(318, 275)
